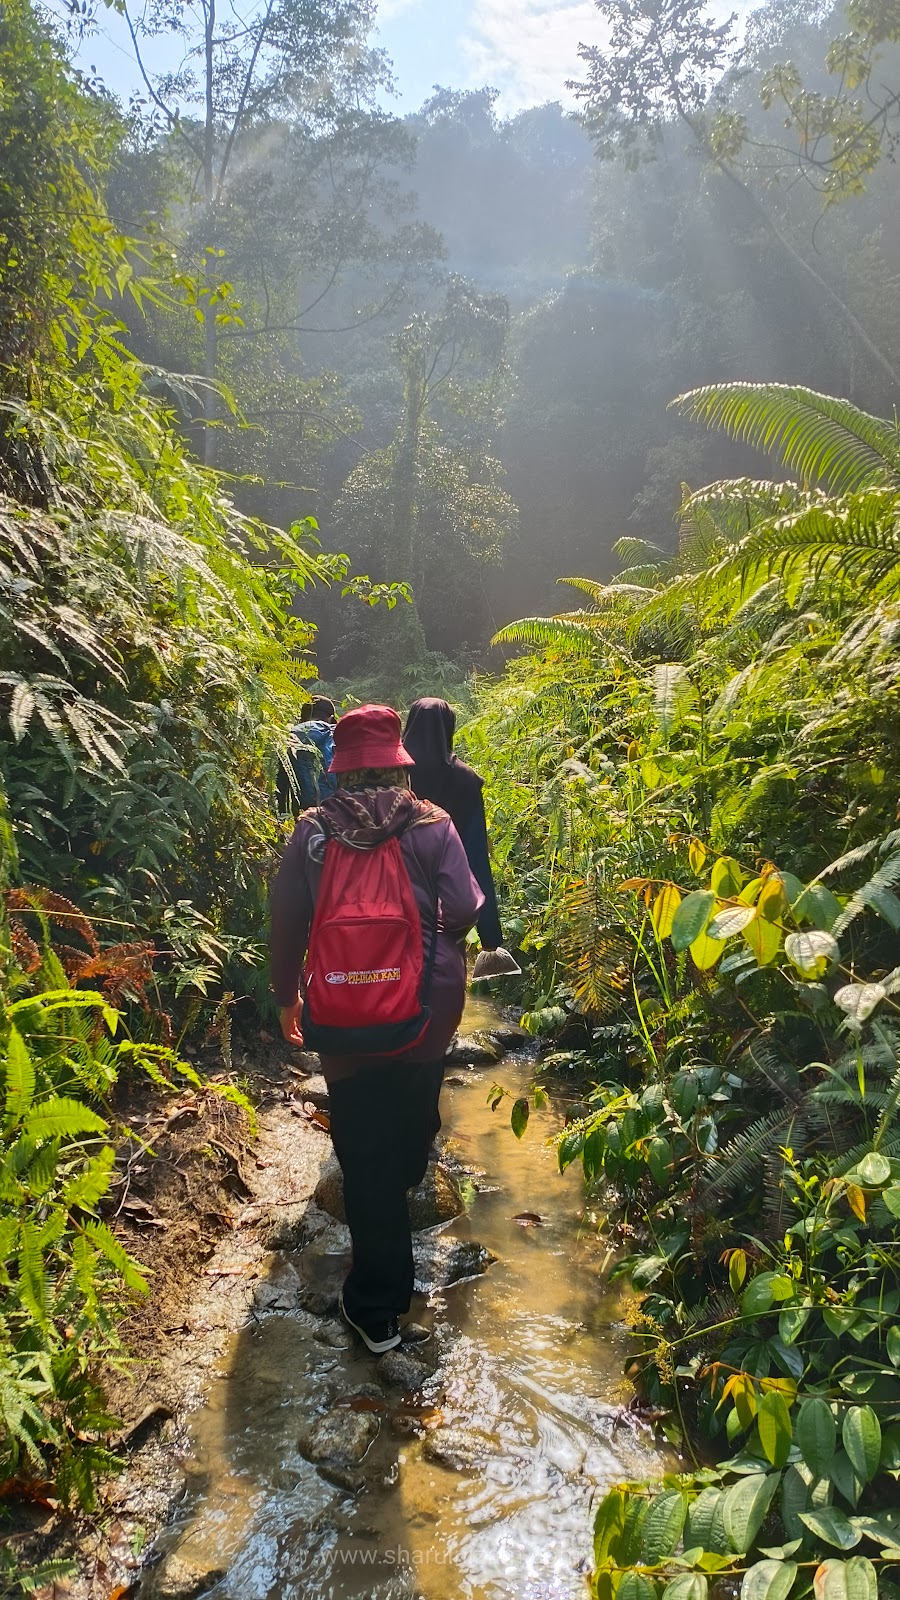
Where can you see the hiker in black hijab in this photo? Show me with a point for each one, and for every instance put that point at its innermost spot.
(440, 776)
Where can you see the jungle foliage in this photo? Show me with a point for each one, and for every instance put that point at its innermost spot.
(694, 792)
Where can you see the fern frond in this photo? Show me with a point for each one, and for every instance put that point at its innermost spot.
(737, 1165)
(821, 438)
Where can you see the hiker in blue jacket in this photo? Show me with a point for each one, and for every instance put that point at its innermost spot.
(309, 754)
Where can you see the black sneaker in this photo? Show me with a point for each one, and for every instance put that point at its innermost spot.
(378, 1337)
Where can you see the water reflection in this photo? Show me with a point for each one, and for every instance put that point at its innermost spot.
(496, 1503)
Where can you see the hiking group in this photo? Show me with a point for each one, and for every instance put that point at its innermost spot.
(386, 872)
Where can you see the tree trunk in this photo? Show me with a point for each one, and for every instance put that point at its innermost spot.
(408, 639)
(210, 326)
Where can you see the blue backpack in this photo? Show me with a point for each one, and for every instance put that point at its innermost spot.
(309, 752)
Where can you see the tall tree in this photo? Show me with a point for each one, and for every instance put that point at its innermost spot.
(289, 170)
(673, 63)
(436, 488)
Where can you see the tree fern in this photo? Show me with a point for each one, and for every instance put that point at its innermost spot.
(821, 438)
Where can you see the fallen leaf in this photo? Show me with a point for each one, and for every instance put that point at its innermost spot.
(359, 1402)
(528, 1219)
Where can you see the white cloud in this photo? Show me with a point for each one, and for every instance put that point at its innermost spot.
(529, 48)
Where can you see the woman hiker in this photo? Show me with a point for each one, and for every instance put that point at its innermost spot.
(440, 776)
(383, 1106)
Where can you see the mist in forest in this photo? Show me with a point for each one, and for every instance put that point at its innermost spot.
(452, 337)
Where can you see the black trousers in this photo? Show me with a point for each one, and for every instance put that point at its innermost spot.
(383, 1123)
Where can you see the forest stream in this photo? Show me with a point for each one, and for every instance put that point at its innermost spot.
(480, 1484)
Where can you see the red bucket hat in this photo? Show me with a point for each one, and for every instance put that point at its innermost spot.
(368, 737)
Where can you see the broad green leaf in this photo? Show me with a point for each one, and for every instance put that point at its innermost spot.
(846, 1580)
(664, 908)
(859, 1000)
(794, 1499)
(636, 1586)
(691, 917)
(519, 1116)
(883, 1529)
(845, 1480)
(697, 855)
(769, 1580)
(831, 1524)
(705, 952)
(688, 1586)
(773, 901)
(817, 905)
(812, 953)
(648, 1269)
(663, 1526)
(816, 1435)
(773, 1420)
(726, 879)
(659, 1160)
(893, 1344)
(609, 1523)
(733, 919)
(791, 1322)
(745, 1508)
(704, 1525)
(764, 939)
(861, 1434)
(872, 1171)
(891, 1198)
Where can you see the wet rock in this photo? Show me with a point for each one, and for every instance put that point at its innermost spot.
(458, 1080)
(283, 1229)
(318, 1302)
(459, 1448)
(414, 1333)
(403, 1370)
(441, 1260)
(325, 1260)
(510, 1037)
(404, 1426)
(473, 1049)
(436, 1200)
(179, 1578)
(348, 1478)
(340, 1438)
(335, 1334)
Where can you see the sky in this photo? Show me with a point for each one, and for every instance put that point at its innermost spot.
(525, 48)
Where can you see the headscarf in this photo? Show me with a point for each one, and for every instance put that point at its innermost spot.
(439, 775)
(365, 818)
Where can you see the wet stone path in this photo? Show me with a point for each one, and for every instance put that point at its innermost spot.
(460, 1469)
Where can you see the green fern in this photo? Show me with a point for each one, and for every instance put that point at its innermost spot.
(821, 438)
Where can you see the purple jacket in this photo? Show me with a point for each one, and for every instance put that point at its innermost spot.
(439, 874)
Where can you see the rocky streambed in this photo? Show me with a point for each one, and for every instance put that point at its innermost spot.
(281, 1460)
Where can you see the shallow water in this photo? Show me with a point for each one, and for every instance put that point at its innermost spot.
(532, 1372)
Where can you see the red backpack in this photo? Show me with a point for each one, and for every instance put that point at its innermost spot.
(366, 983)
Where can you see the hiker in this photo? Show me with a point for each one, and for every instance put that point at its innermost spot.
(310, 748)
(374, 891)
(440, 776)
